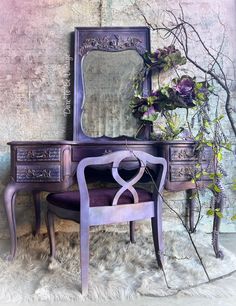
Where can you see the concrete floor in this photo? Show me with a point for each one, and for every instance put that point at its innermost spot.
(227, 240)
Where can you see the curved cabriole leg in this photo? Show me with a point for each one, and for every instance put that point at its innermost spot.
(9, 203)
(131, 231)
(157, 234)
(51, 233)
(84, 257)
(191, 204)
(219, 204)
(36, 198)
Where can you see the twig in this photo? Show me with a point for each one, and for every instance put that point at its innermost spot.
(176, 31)
(183, 223)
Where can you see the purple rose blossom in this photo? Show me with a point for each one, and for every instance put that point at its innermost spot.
(185, 86)
(149, 113)
(185, 90)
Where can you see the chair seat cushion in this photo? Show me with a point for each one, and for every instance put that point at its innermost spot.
(98, 197)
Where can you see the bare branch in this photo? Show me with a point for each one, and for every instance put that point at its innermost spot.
(179, 32)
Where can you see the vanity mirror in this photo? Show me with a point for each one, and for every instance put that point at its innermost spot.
(108, 66)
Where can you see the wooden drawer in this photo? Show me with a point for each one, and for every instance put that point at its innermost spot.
(188, 153)
(38, 173)
(185, 172)
(37, 154)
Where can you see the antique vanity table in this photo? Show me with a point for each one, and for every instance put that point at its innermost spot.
(107, 62)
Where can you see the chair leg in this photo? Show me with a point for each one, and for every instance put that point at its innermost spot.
(158, 235)
(51, 232)
(131, 231)
(84, 257)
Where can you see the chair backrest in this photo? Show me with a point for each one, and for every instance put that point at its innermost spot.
(115, 161)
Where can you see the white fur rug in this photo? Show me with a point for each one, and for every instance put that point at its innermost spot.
(118, 269)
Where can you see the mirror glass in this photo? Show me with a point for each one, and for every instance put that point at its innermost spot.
(108, 82)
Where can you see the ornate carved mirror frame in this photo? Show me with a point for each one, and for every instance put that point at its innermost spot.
(111, 40)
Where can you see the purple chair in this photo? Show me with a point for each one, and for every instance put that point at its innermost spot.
(98, 206)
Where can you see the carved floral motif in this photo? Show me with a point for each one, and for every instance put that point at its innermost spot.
(182, 154)
(181, 173)
(36, 173)
(38, 154)
(35, 154)
(111, 43)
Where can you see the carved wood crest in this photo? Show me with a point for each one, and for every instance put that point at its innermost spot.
(111, 43)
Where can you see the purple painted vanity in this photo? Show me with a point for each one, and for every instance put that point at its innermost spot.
(50, 166)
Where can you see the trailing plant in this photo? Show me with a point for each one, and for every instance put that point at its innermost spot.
(196, 97)
(199, 97)
(182, 92)
(164, 59)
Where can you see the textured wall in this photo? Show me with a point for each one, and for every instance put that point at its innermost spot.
(34, 71)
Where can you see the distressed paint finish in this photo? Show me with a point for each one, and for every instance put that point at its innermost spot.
(35, 79)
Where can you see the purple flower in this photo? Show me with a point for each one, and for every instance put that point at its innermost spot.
(185, 91)
(156, 54)
(185, 86)
(150, 114)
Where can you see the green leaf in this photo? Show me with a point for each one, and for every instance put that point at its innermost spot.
(219, 156)
(212, 176)
(233, 218)
(228, 146)
(201, 96)
(198, 85)
(210, 212)
(198, 175)
(206, 124)
(209, 144)
(219, 214)
(234, 185)
(216, 188)
(151, 100)
(217, 119)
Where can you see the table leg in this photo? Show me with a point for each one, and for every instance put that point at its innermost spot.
(219, 203)
(36, 198)
(9, 202)
(190, 206)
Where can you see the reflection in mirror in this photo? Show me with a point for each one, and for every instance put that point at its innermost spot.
(108, 80)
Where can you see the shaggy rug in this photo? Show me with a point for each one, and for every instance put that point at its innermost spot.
(118, 269)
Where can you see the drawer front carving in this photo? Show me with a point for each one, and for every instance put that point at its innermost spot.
(189, 154)
(38, 154)
(185, 172)
(27, 173)
(182, 153)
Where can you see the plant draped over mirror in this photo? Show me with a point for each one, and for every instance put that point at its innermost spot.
(182, 92)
